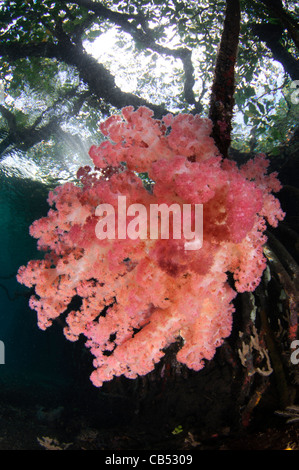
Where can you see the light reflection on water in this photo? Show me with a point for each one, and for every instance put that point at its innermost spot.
(44, 167)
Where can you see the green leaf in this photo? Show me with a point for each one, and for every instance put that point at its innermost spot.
(261, 107)
(92, 35)
(252, 109)
(274, 20)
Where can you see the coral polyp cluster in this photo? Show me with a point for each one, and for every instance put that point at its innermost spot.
(138, 296)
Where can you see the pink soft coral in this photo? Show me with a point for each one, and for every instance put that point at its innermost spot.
(139, 296)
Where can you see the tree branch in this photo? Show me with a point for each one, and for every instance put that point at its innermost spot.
(100, 81)
(121, 19)
(69, 46)
(271, 34)
(136, 26)
(26, 137)
(222, 96)
(276, 7)
(9, 117)
(16, 50)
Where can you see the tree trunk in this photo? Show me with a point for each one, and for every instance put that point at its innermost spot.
(222, 97)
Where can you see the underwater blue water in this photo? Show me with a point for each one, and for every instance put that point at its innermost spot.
(31, 355)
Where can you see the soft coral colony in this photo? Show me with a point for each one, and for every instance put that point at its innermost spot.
(139, 296)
